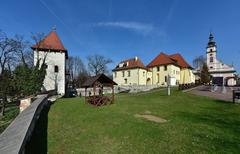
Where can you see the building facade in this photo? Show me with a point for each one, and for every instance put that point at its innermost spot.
(157, 72)
(221, 73)
(55, 54)
(173, 66)
(131, 72)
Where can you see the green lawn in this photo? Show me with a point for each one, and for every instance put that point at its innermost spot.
(10, 114)
(195, 125)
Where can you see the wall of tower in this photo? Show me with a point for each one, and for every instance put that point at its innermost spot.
(53, 80)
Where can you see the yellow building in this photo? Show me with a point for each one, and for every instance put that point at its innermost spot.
(163, 66)
(131, 72)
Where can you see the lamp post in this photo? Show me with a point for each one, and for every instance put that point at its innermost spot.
(168, 85)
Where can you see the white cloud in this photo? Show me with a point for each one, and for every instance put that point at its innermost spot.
(133, 26)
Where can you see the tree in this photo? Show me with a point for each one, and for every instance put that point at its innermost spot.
(6, 88)
(77, 71)
(198, 62)
(97, 64)
(29, 80)
(7, 53)
(23, 51)
(205, 75)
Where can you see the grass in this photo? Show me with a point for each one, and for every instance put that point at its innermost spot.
(195, 125)
(10, 114)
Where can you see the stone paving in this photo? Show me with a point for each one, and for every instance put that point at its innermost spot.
(215, 92)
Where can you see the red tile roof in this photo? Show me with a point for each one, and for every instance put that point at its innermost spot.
(130, 64)
(161, 59)
(50, 42)
(164, 59)
(181, 61)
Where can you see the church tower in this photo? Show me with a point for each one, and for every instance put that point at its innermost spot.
(56, 54)
(211, 52)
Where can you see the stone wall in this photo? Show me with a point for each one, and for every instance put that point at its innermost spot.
(118, 89)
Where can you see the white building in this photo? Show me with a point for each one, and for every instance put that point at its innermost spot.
(56, 54)
(221, 73)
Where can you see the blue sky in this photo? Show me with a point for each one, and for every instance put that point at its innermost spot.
(121, 29)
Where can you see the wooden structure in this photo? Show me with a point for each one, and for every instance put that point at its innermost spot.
(99, 82)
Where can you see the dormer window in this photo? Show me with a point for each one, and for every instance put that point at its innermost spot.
(56, 69)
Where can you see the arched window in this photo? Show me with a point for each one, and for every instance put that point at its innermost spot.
(56, 69)
(211, 59)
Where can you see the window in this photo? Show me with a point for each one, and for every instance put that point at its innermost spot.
(123, 73)
(125, 81)
(158, 68)
(129, 73)
(143, 74)
(165, 78)
(56, 69)
(115, 74)
(211, 67)
(157, 78)
(165, 67)
(211, 59)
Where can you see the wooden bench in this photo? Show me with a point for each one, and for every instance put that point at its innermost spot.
(236, 95)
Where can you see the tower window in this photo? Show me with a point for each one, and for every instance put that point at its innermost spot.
(56, 69)
(211, 59)
(158, 68)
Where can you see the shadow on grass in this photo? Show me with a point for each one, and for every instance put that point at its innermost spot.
(38, 142)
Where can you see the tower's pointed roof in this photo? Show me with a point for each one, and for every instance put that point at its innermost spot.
(50, 42)
(211, 42)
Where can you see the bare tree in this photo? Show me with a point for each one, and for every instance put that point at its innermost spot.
(97, 64)
(77, 70)
(7, 53)
(38, 41)
(198, 62)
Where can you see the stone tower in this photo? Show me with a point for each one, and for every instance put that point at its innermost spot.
(56, 54)
(211, 52)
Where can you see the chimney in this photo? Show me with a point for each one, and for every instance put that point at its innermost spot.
(136, 58)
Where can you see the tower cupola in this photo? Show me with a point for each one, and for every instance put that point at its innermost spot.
(211, 42)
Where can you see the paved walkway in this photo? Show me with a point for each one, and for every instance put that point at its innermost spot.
(216, 93)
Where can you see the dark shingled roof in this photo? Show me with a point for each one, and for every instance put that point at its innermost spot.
(103, 79)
